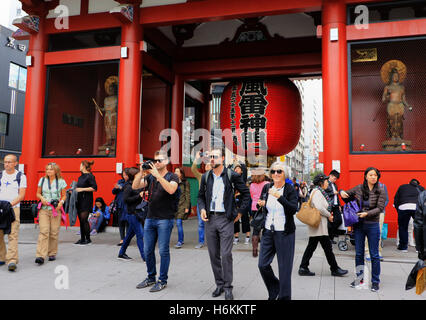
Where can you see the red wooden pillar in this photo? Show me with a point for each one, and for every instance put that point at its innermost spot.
(335, 89)
(178, 103)
(32, 137)
(129, 95)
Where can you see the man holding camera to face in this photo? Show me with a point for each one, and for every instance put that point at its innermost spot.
(162, 186)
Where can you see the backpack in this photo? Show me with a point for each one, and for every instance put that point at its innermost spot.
(228, 173)
(18, 178)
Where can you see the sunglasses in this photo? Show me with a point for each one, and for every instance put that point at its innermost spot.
(214, 156)
(158, 160)
(279, 171)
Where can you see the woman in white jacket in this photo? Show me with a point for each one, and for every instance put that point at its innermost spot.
(320, 200)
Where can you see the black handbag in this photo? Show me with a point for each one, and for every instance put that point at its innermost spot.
(141, 210)
(259, 218)
(412, 277)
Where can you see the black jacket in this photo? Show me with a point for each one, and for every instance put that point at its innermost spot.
(420, 225)
(7, 216)
(288, 200)
(330, 192)
(131, 197)
(407, 193)
(206, 189)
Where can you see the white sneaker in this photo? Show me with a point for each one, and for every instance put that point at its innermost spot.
(236, 240)
(247, 240)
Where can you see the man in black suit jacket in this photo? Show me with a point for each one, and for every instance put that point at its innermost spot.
(218, 209)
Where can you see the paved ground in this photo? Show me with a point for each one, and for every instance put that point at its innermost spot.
(94, 272)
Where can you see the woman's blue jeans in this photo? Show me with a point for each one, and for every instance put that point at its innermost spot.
(200, 227)
(180, 230)
(372, 231)
(135, 228)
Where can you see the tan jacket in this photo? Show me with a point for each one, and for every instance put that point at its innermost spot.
(319, 202)
(197, 174)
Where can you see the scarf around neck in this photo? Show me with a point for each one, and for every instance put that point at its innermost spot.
(329, 200)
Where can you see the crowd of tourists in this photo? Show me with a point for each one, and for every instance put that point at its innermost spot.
(149, 201)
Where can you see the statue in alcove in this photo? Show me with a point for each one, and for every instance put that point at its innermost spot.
(393, 74)
(110, 111)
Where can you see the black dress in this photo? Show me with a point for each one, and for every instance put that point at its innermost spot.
(85, 198)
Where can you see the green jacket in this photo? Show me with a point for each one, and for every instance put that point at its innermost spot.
(185, 199)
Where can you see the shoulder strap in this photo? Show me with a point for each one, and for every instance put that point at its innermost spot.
(18, 178)
(42, 182)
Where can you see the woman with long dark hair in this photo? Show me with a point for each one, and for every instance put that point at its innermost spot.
(86, 185)
(121, 206)
(132, 197)
(371, 198)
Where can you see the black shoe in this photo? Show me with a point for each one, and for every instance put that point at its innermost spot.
(52, 258)
(374, 287)
(79, 242)
(339, 272)
(85, 242)
(11, 267)
(124, 257)
(39, 261)
(305, 272)
(228, 294)
(145, 283)
(217, 292)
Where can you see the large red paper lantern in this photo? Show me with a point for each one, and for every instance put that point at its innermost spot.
(262, 114)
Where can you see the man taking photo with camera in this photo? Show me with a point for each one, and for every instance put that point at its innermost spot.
(162, 186)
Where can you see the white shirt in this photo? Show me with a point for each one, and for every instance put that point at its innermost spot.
(335, 195)
(408, 206)
(275, 214)
(9, 189)
(217, 194)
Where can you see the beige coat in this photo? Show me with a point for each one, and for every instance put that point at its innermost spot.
(319, 202)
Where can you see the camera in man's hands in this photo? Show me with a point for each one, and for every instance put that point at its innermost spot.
(146, 165)
(54, 203)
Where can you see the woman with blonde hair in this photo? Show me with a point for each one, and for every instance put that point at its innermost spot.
(51, 192)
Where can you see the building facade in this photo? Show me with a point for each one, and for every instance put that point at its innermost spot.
(13, 84)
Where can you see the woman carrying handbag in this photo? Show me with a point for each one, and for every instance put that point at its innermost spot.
(320, 201)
